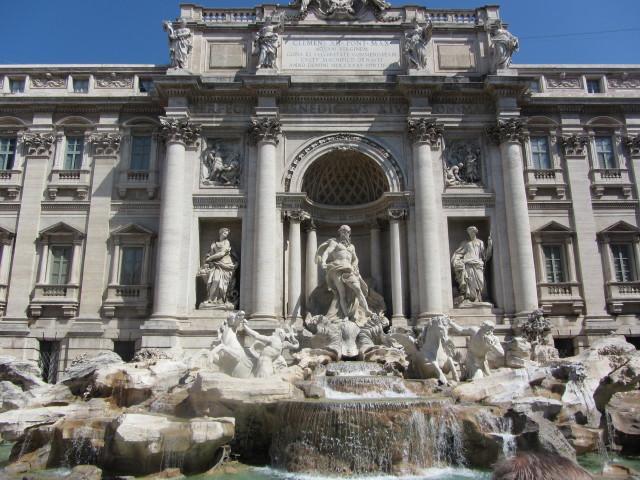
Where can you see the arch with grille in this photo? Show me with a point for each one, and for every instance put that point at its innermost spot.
(318, 148)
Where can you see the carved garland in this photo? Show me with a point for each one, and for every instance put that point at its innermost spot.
(341, 138)
(511, 130)
(425, 130)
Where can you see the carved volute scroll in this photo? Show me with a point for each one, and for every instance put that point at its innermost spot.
(38, 143)
(633, 144)
(425, 130)
(575, 145)
(511, 130)
(106, 143)
(265, 129)
(179, 130)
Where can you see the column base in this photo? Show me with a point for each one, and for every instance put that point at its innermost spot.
(264, 321)
(426, 316)
(399, 321)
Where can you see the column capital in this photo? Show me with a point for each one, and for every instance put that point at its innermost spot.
(633, 144)
(574, 144)
(106, 143)
(510, 130)
(265, 129)
(38, 144)
(297, 216)
(180, 130)
(396, 214)
(310, 225)
(425, 130)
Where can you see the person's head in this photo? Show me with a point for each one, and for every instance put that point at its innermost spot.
(223, 233)
(182, 22)
(472, 231)
(345, 232)
(538, 466)
(487, 326)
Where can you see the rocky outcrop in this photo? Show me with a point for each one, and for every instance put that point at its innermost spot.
(79, 375)
(501, 387)
(23, 373)
(12, 396)
(13, 424)
(624, 414)
(534, 432)
(582, 439)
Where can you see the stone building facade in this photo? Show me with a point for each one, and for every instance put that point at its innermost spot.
(282, 124)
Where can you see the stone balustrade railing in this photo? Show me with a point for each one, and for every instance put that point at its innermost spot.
(229, 15)
(453, 16)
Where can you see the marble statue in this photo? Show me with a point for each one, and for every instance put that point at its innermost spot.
(415, 46)
(219, 268)
(338, 259)
(468, 262)
(220, 167)
(180, 44)
(229, 355)
(503, 45)
(438, 351)
(268, 349)
(266, 42)
(482, 343)
(452, 175)
(376, 345)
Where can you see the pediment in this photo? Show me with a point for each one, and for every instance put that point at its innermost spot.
(620, 227)
(132, 229)
(553, 227)
(61, 228)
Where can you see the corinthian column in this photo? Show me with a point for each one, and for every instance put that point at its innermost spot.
(395, 217)
(510, 134)
(427, 140)
(178, 133)
(265, 132)
(311, 268)
(295, 263)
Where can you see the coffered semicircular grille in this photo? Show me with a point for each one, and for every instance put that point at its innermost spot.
(344, 178)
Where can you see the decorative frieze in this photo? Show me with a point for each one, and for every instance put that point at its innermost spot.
(38, 143)
(574, 145)
(265, 129)
(623, 83)
(179, 130)
(106, 143)
(425, 130)
(511, 130)
(563, 82)
(48, 81)
(114, 81)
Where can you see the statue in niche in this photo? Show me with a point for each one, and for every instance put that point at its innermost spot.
(503, 45)
(267, 350)
(218, 268)
(437, 352)
(180, 43)
(468, 262)
(266, 42)
(220, 167)
(481, 344)
(462, 165)
(338, 259)
(229, 355)
(415, 45)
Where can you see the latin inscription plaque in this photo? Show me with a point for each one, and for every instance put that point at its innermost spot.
(340, 54)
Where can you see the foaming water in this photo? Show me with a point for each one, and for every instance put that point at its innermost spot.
(353, 387)
(446, 473)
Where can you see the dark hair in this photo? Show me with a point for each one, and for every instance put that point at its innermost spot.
(538, 466)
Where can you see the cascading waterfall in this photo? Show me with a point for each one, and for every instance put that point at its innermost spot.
(82, 450)
(500, 427)
(363, 387)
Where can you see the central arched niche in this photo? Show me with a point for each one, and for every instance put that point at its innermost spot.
(344, 177)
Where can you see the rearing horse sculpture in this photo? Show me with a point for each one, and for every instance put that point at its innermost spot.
(438, 351)
(229, 354)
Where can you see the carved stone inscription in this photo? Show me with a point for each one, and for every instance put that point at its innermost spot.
(340, 54)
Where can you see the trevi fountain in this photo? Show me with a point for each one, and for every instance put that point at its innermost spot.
(341, 381)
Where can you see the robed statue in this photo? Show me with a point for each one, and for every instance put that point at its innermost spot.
(180, 43)
(468, 262)
(219, 268)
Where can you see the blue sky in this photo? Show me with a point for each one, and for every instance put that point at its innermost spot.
(130, 31)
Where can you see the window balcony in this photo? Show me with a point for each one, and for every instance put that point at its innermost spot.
(610, 178)
(73, 180)
(55, 297)
(11, 183)
(129, 299)
(562, 297)
(137, 180)
(623, 296)
(546, 179)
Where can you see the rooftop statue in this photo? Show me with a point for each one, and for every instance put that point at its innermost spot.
(503, 45)
(468, 263)
(347, 9)
(180, 43)
(266, 42)
(415, 45)
(337, 257)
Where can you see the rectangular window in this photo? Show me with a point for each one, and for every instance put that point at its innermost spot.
(49, 358)
(140, 152)
(131, 266)
(604, 151)
(593, 85)
(125, 348)
(80, 85)
(7, 153)
(540, 152)
(553, 263)
(16, 85)
(534, 86)
(73, 157)
(59, 264)
(623, 262)
(145, 85)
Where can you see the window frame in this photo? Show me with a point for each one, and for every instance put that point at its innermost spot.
(562, 263)
(123, 270)
(5, 155)
(85, 80)
(132, 154)
(78, 155)
(51, 262)
(535, 153)
(596, 157)
(632, 270)
(593, 81)
(17, 81)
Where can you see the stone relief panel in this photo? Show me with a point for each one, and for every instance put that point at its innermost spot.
(564, 82)
(462, 163)
(456, 56)
(221, 164)
(623, 82)
(227, 55)
(114, 81)
(48, 81)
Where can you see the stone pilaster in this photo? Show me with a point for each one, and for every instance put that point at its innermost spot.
(426, 135)
(265, 133)
(294, 297)
(178, 133)
(396, 216)
(509, 135)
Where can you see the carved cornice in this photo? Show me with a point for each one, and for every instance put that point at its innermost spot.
(574, 144)
(106, 143)
(511, 130)
(38, 143)
(633, 144)
(425, 130)
(265, 129)
(179, 130)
